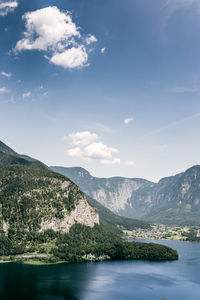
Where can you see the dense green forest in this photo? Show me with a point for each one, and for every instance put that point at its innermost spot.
(31, 194)
(80, 242)
(100, 241)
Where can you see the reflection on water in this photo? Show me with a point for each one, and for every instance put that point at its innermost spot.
(136, 280)
(26, 282)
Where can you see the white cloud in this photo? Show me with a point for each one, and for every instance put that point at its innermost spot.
(47, 28)
(99, 151)
(71, 58)
(128, 120)
(3, 90)
(96, 151)
(82, 138)
(8, 75)
(7, 7)
(103, 50)
(26, 95)
(130, 163)
(114, 161)
(90, 39)
(53, 31)
(75, 152)
(89, 149)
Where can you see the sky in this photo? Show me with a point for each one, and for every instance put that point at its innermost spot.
(112, 86)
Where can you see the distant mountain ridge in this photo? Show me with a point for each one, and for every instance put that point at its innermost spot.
(173, 200)
(110, 192)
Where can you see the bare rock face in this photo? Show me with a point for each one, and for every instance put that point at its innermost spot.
(34, 199)
(83, 214)
(173, 200)
(115, 195)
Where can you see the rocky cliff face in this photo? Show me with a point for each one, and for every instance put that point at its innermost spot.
(114, 193)
(83, 214)
(33, 198)
(177, 198)
(174, 199)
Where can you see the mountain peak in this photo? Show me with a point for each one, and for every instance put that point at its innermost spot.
(7, 150)
(73, 173)
(193, 168)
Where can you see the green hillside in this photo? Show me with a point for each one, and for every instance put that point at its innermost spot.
(44, 216)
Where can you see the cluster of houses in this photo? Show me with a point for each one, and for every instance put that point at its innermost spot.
(92, 257)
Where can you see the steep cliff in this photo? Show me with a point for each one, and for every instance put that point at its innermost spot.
(114, 193)
(173, 200)
(36, 199)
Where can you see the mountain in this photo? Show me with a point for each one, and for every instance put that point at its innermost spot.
(9, 156)
(173, 200)
(35, 199)
(7, 150)
(45, 216)
(111, 192)
(177, 198)
(115, 222)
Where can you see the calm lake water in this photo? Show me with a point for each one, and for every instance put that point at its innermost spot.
(135, 280)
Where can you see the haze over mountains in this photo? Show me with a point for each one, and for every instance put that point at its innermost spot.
(173, 200)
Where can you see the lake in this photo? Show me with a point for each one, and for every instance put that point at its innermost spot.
(135, 280)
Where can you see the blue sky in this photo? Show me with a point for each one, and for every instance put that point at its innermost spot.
(112, 86)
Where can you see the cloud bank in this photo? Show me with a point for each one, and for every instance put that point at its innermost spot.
(54, 32)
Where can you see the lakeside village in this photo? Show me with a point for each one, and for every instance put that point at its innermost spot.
(165, 232)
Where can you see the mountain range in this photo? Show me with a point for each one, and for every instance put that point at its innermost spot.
(44, 216)
(173, 200)
(37, 174)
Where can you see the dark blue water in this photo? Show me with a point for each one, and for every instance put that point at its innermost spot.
(135, 280)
